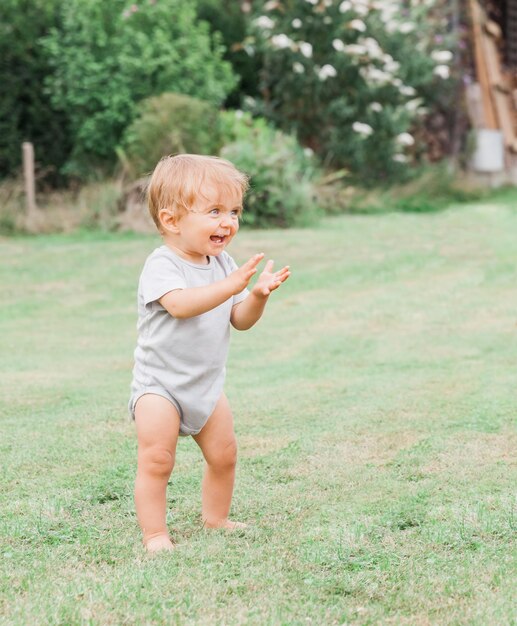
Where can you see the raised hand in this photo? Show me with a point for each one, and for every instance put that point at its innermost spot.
(242, 276)
(268, 280)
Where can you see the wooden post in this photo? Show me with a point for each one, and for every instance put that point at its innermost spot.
(29, 179)
(477, 16)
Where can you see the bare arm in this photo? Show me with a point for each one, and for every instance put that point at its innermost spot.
(249, 311)
(183, 303)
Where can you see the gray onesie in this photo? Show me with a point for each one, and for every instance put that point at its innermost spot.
(182, 360)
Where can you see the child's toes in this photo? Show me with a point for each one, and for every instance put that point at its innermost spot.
(159, 544)
(235, 525)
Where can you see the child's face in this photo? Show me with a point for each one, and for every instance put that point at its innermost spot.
(210, 225)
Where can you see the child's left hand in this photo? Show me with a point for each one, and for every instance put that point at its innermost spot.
(268, 280)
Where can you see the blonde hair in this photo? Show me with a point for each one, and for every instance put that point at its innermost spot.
(178, 180)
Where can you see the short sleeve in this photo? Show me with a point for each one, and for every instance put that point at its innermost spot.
(232, 266)
(159, 276)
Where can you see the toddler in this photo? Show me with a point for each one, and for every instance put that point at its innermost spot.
(189, 293)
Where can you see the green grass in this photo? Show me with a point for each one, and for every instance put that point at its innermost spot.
(374, 407)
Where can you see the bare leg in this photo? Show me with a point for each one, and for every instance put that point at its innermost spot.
(217, 442)
(157, 426)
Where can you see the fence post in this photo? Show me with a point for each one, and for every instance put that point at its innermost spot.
(29, 179)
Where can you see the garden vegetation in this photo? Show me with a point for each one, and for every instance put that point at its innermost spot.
(326, 87)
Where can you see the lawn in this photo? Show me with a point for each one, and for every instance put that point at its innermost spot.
(375, 412)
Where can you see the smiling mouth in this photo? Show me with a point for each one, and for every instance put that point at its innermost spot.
(217, 239)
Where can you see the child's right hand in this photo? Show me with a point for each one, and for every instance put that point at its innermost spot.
(242, 276)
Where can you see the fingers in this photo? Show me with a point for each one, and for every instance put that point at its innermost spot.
(282, 274)
(285, 272)
(269, 280)
(253, 261)
(250, 267)
(276, 284)
(269, 266)
(276, 280)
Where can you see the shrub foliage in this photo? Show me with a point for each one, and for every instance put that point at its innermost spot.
(169, 124)
(107, 56)
(281, 191)
(26, 113)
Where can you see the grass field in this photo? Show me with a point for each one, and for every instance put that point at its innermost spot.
(374, 408)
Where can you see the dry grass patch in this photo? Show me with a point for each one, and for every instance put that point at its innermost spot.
(377, 449)
(351, 452)
(470, 454)
(251, 446)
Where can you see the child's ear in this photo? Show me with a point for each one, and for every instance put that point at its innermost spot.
(168, 221)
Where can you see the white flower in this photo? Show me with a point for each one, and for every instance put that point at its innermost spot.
(358, 25)
(239, 114)
(406, 27)
(312, 1)
(345, 6)
(298, 68)
(264, 22)
(297, 23)
(401, 158)
(355, 49)
(412, 105)
(405, 139)
(269, 6)
(374, 50)
(407, 90)
(441, 56)
(389, 25)
(362, 129)
(442, 71)
(305, 49)
(361, 10)
(308, 152)
(338, 45)
(281, 41)
(392, 67)
(375, 75)
(376, 107)
(327, 71)
(388, 12)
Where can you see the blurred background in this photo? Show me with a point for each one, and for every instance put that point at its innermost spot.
(359, 105)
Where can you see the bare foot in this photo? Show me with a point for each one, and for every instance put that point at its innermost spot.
(225, 523)
(159, 543)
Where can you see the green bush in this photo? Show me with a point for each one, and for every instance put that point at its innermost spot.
(26, 113)
(169, 124)
(227, 18)
(107, 56)
(281, 191)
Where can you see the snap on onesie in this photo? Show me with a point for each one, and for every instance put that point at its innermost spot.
(182, 360)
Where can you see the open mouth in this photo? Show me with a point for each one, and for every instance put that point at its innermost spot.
(218, 239)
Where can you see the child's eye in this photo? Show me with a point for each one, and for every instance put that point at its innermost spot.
(234, 213)
(214, 212)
